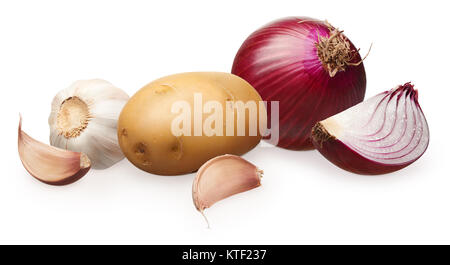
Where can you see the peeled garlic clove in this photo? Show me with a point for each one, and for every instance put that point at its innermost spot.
(222, 177)
(49, 164)
(84, 119)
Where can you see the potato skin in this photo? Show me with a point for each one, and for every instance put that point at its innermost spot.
(144, 126)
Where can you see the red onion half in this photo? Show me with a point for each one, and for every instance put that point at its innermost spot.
(382, 134)
(307, 65)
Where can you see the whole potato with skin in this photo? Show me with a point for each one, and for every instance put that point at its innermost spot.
(144, 126)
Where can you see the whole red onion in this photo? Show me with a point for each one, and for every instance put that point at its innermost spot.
(307, 65)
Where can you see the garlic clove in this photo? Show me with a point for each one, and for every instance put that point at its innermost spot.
(84, 119)
(222, 177)
(49, 164)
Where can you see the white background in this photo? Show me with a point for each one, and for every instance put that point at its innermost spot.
(304, 199)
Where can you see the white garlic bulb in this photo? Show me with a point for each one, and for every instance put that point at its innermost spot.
(84, 119)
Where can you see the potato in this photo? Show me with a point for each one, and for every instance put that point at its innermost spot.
(150, 123)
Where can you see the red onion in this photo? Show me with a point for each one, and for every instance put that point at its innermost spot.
(307, 65)
(382, 134)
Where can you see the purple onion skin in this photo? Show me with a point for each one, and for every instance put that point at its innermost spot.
(280, 61)
(342, 156)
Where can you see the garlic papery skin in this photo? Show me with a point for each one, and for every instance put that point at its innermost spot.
(222, 177)
(83, 119)
(49, 164)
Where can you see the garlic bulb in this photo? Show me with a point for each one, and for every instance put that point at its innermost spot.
(84, 119)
